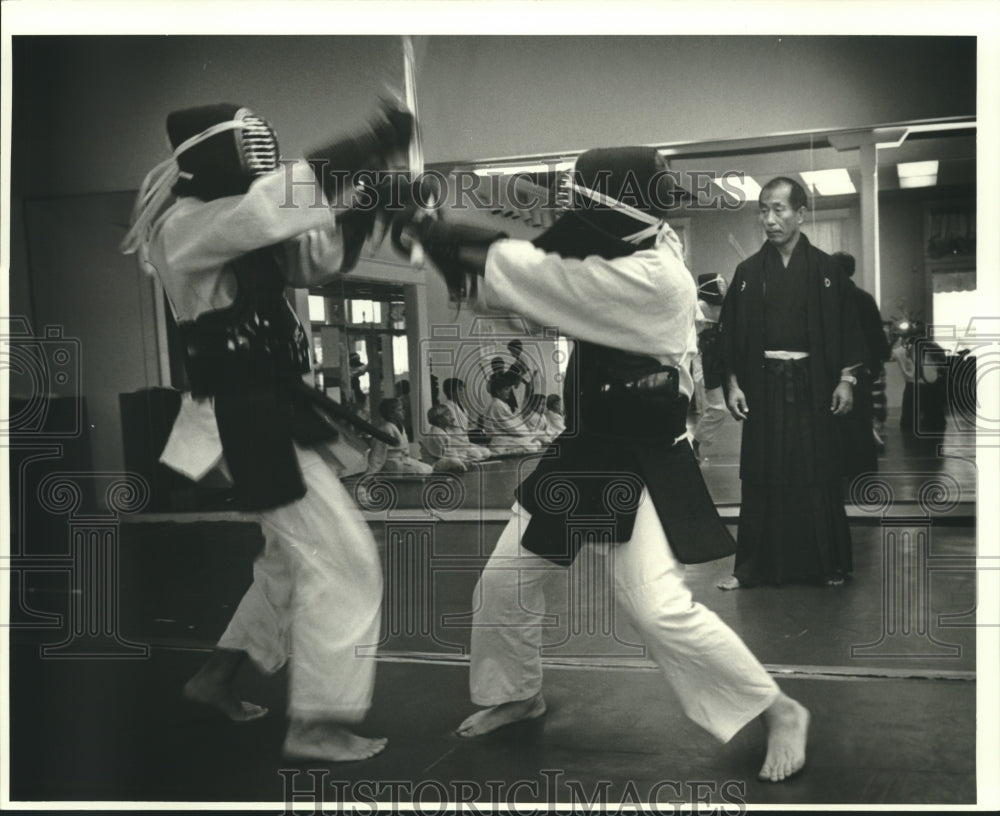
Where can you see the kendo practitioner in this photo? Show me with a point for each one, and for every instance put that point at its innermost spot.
(610, 274)
(791, 342)
(225, 227)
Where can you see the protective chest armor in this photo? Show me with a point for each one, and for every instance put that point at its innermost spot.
(623, 394)
(255, 344)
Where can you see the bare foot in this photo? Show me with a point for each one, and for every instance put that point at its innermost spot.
(328, 742)
(490, 719)
(203, 690)
(787, 725)
(732, 582)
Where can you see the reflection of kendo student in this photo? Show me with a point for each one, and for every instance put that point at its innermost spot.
(554, 413)
(707, 367)
(454, 399)
(358, 369)
(214, 224)
(501, 376)
(535, 418)
(447, 445)
(508, 433)
(393, 457)
(610, 274)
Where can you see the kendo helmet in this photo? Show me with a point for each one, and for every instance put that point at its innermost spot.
(712, 288)
(614, 202)
(226, 162)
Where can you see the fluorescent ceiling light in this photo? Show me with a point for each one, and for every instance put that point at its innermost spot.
(747, 185)
(511, 169)
(829, 182)
(917, 174)
(920, 168)
(917, 181)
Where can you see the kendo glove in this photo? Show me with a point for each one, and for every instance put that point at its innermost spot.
(457, 250)
(335, 163)
(391, 196)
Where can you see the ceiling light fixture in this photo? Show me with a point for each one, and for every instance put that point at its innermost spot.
(731, 180)
(829, 182)
(917, 174)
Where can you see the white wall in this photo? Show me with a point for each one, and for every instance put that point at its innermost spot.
(84, 288)
(88, 111)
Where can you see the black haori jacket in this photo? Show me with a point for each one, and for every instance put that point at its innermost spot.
(623, 413)
(835, 342)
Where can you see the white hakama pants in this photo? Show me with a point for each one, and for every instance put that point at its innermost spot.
(720, 684)
(315, 601)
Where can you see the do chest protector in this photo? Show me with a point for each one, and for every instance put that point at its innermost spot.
(257, 343)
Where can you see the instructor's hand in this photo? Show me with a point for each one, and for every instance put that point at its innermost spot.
(843, 399)
(736, 402)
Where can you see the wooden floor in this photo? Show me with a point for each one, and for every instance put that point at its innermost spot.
(887, 667)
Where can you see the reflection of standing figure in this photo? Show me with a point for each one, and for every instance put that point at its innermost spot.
(522, 376)
(902, 354)
(403, 395)
(357, 370)
(924, 389)
(707, 368)
(862, 442)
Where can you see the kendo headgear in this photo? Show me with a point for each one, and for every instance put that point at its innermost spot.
(711, 288)
(218, 150)
(226, 162)
(615, 201)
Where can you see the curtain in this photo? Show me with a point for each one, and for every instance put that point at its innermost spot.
(960, 281)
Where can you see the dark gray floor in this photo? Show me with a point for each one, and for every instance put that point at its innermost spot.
(116, 731)
(887, 667)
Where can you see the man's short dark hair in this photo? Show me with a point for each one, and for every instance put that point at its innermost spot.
(387, 407)
(496, 384)
(796, 196)
(436, 415)
(844, 262)
(451, 386)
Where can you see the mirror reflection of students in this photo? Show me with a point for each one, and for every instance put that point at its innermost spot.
(454, 400)
(554, 413)
(446, 445)
(396, 458)
(508, 433)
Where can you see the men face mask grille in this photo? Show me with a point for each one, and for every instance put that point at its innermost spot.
(259, 146)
